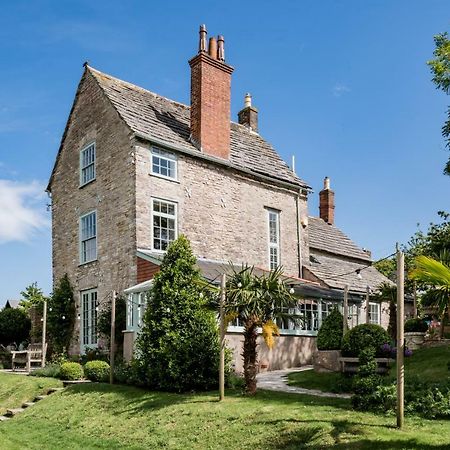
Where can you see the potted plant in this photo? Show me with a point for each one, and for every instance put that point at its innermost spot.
(415, 330)
(329, 338)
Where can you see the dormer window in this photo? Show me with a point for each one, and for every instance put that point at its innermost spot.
(163, 164)
(87, 164)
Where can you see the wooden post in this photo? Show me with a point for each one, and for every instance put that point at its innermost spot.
(44, 333)
(113, 336)
(400, 338)
(367, 304)
(223, 283)
(415, 299)
(345, 308)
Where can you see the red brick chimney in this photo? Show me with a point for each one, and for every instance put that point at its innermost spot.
(211, 97)
(326, 207)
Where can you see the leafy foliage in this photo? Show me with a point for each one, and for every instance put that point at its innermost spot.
(71, 371)
(178, 346)
(330, 333)
(32, 296)
(104, 323)
(258, 301)
(416, 325)
(440, 68)
(61, 315)
(50, 370)
(363, 336)
(97, 370)
(15, 326)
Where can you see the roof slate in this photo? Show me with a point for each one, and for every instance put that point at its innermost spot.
(329, 238)
(153, 116)
(336, 272)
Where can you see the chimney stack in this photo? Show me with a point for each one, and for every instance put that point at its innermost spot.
(326, 207)
(249, 115)
(211, 97)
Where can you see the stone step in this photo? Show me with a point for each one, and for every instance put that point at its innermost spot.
(3, 418)
(12, 412)
(55, 389)
(27, 404)
(39, 397)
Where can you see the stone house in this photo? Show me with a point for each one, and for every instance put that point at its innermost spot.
(134, 170)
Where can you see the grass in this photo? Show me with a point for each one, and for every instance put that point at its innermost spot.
(430, 364)
(16, 389)
(99, 416)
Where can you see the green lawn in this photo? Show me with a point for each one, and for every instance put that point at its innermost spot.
(16, 389)
(430, 364)
(98, 416)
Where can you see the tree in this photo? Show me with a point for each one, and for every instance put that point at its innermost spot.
(435, 274)
(32, 296)
(178, 345)
(388, 293)
(61, 316)
(440, 68)
(258, 301)
(15, 326)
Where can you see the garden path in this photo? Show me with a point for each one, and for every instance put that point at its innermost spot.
(276, 380)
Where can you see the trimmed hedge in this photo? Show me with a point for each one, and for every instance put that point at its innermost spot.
(363, 336)
(329, 336)
(71, 371)
(416, 326)
(97, 370)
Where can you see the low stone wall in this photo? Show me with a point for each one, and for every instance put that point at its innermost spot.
(288, 351)
(327, 361)
(414, 340)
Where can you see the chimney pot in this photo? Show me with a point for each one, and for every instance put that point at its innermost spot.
(212, 48)
(202, 40)
(247, 100)
(326, 183)
(220, 48)
(248, 116)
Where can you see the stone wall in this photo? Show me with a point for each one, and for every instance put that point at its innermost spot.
(223, 214)
(111, 194)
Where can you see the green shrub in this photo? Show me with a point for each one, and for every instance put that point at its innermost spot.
(178, 346)
(415, 326)
(51, 370)
(5, 360)
(71, 371)
(363, 336)
(330, 333)
(94, 354)
(15, 326)
(97, 370)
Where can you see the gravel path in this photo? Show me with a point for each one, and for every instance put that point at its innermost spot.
(276, 380)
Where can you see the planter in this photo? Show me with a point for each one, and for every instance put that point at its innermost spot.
(326, 360)
(414, 340)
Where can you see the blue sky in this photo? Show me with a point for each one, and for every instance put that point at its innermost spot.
(343, 85)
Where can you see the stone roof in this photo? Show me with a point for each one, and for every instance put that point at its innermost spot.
(337, 271)
(330, 239)
(154, 117)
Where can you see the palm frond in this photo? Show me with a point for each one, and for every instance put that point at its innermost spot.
(431, 272)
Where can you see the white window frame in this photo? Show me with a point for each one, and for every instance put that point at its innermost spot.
(171, 160)
(275, 246)
(378, 313)
(164, 215)
(88, 319)
(82, 241)
(136, 306)
(92, 164)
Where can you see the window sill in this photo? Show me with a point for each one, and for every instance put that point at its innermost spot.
(156, 175)
(87, 262)
(86, 184)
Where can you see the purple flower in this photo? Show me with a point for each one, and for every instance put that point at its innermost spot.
(408, 352)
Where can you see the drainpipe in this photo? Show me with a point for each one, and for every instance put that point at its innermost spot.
(299, 243)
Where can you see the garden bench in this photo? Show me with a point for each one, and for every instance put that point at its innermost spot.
(351, 365)
(33, 354)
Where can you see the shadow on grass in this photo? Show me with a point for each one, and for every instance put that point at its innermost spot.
(344, 435)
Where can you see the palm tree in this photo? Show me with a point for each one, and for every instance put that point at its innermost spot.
(258, 301)
(436, 275)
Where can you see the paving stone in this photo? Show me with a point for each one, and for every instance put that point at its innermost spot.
(27, 404)
(39, 397)
(12, 412)
(4, 418)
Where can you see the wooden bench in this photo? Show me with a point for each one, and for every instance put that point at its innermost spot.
(32, 355)
(351, 365)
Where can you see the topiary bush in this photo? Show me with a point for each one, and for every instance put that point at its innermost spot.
(97, 370)
(416, 326)
(71, 371)
(330, 333)
(363, 336)
(178, 346)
